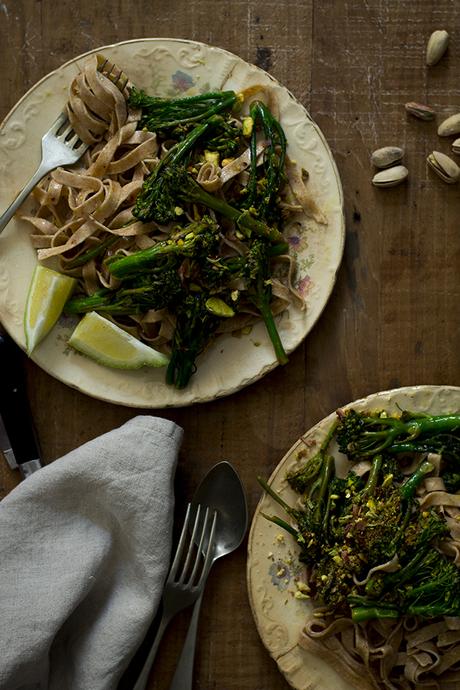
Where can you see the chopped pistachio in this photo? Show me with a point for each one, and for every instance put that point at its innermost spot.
(301, 595)
(248, 124)
(217, 306)
(302, 586)
(212, 157)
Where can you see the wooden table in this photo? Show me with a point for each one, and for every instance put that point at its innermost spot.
(393, 318)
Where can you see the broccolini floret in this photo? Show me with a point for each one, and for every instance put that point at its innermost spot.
(364, 435)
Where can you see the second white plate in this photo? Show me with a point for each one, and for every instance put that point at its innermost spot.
(272, 554)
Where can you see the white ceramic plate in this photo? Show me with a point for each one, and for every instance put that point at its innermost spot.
(167, 67)
(272, 553)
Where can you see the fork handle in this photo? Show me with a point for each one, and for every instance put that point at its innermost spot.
(183, 676)
(141, 682)
(13, 207)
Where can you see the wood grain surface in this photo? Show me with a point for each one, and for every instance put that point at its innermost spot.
(393, 318)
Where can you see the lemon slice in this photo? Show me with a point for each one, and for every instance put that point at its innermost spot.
(111, 346)
(48, 292)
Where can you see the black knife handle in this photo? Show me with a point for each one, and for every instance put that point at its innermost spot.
(14, 404)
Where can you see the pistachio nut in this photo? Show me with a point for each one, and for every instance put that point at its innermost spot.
(422, 112)
(437, 45)
(456, 146)
(445, 167)
(450, 126)
(390, 177)
(386, 156)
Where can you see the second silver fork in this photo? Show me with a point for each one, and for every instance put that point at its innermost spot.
(184, 586)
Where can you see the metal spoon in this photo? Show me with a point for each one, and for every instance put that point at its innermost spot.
(222, 491)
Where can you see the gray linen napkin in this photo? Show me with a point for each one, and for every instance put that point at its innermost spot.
(84, 550)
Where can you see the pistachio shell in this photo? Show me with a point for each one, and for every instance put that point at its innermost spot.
(437, 45)
(420, 111)
(386, 156)
(456, 146)
(390, 177)
(445, 167)
(450, 126)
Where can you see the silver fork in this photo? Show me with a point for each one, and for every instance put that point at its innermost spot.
(183, 589)
(60, 144)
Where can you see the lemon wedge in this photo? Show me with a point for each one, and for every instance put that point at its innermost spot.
(48, 292)
(111, 346)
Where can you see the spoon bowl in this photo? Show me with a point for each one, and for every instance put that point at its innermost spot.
(221, 490)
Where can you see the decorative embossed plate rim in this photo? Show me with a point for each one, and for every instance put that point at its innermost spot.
(272, 565)
(169, 66)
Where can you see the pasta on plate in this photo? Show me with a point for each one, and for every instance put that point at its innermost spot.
(214, 261)
(378, 529)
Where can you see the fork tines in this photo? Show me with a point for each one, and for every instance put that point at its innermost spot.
(112, 72)
(200, 550)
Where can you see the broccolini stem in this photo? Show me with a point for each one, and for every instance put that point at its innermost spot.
(410, 485)
(272, 331)
(281, 523)
(180, 369)
(327, 473)
(80, 305)
(274, 157)
(432, 610)
(92, 253)
(436, 424)
(178, 151)
(359, 614)
(278, 249)
(372, 480)
(244, 220)
(268, 489)
(124, 266)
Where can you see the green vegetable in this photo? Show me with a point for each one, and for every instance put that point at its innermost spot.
(258, 274)
(165, 113)
(188, 273)
(158, 289)
(265, 182)
(162, 190)
(364, 435)
(196, 239)
(348, 526)
(158, 197)
(194, 326)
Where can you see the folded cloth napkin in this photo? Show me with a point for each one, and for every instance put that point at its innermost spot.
(84, 550)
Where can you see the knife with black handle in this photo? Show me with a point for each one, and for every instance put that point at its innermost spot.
(16, 419)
